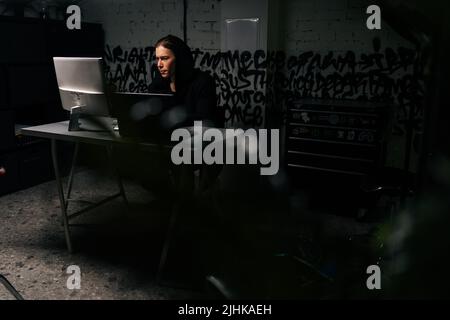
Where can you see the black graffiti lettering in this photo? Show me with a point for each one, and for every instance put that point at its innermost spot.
(140, 86)
(243, 77)
(134, 56)
(259, 97)
(118, 77)
(247, 115)
(260, 55)
(108, 54)
(129, 69)
(230, 60)
(248, 82)
(117, 55)
(210, 61)
(258, 78)
(246, 60)
(195, 54)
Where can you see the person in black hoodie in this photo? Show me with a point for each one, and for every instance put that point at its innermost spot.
(194, 99)
(194, 90)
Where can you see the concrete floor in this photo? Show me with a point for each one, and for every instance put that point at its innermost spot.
(117, 258)
(118, 253)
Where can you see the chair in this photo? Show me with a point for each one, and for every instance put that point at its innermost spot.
(190, 184)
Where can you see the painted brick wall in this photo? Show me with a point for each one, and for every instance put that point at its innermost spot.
(135, 23)
(133, 26)
(324, 46)
(203, 25)
(313, 29)
(338, 25)
(316, 31)
(139, 23)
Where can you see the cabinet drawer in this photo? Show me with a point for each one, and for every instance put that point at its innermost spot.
(336, 137)
(341, 134)
(324, 162)
(342, 119)
(333, 148)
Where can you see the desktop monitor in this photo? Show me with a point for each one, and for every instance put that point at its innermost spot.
(81, 87)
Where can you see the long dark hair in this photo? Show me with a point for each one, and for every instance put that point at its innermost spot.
(184, 62)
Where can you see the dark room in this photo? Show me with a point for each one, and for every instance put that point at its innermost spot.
(204, 150)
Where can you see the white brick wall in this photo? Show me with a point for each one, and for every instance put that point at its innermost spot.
(139, 23)
(135, 23)
(338, 25)
(203, 25)
(319, 26)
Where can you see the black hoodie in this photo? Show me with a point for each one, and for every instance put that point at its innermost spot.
(196, 94)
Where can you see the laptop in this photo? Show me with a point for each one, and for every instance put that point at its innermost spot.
(138, 113)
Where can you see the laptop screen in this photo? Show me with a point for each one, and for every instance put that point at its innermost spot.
(138, 113)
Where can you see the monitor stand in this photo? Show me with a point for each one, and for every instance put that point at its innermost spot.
(74, 121)
(80, 121)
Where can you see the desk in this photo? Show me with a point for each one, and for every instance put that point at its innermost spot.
(59, 131)
(109, 139)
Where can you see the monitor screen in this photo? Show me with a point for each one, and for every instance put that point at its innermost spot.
(81, 84)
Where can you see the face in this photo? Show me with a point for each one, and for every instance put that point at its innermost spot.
(165, 60)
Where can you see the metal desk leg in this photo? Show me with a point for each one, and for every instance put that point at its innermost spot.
(117, 174)
(71, 176)
(61, 196)
(72, 172)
